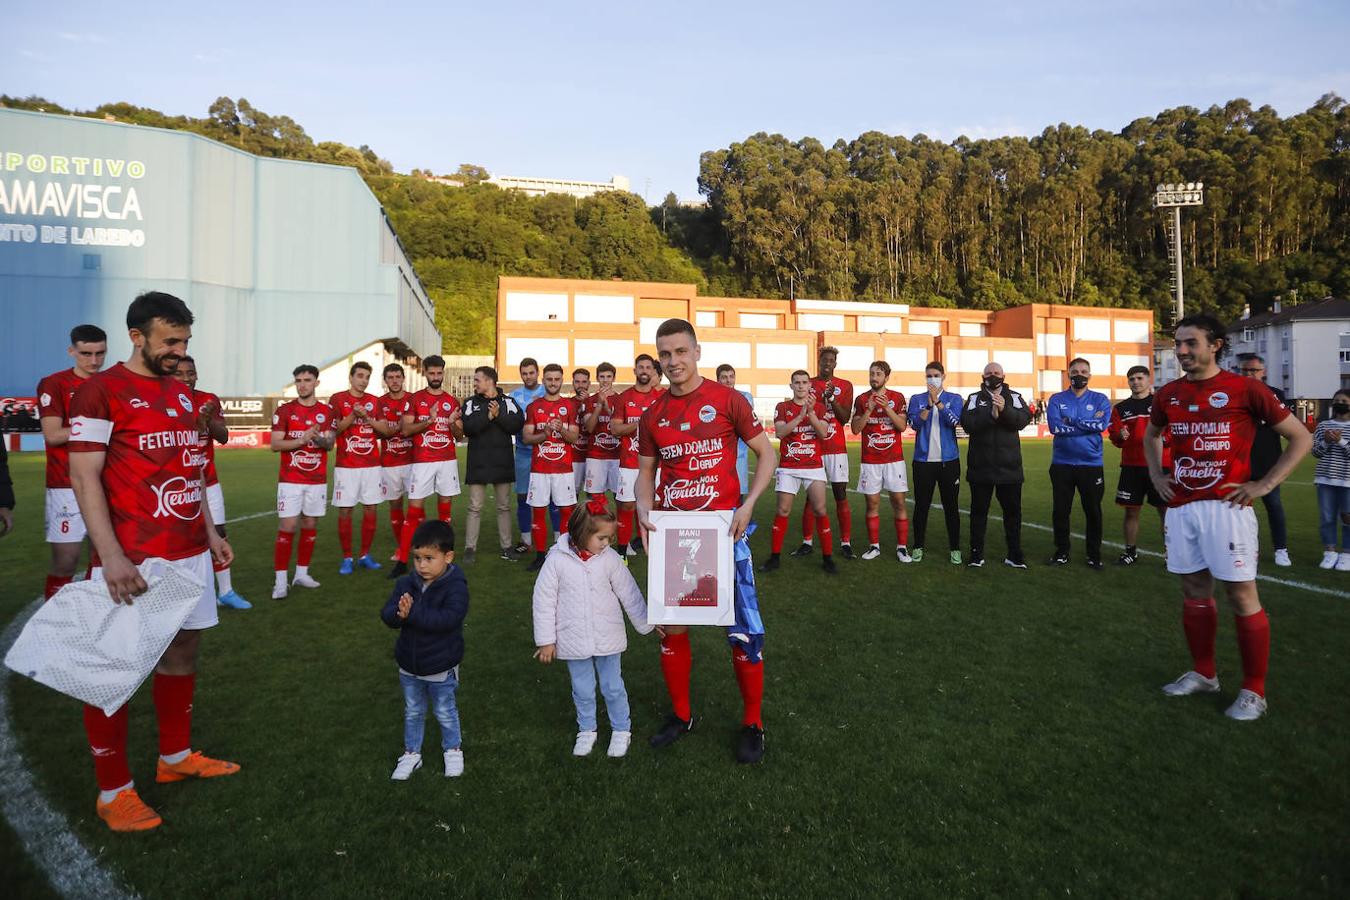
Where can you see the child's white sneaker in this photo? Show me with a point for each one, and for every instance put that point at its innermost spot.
(1343, 562)
(454, 763)
(585, 743)
(1329, 558)
(618, 743)
(408, 763)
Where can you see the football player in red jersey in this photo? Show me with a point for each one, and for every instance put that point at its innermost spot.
(65, 528)
(551, 429)
(302, 432)
(1129, 419)
(836, 394)
(690, 432)
(433, 419)
(628, 409)
(799, 424)
(212, 429)
(581, 389)
(1211, 531)
(602, 454)
(397, 454)
(880, 417)
(137, 468)
(357, 476)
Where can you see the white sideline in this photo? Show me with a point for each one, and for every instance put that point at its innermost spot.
(257, 515)
(43, 832)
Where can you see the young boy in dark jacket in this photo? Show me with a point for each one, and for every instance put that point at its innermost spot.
(428, 606)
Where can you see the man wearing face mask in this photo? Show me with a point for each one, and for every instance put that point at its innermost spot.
(937, 461)
(1077, 417)
(993, 417)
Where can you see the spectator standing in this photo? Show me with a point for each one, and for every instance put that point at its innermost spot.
(491, 420)
(1331, 447)
(1266, 448)
(993, 417)
(1077, 418)
(937, 459)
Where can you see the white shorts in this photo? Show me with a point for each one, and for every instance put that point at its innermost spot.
(1210, 534)
(395, 481)
(790, 481)
(627, 492)
(579, 475)
(873, 478)
(215, 501)
(353, 486)
(65, 525)
(198, 568)
(301, 499)
(602, 475)
(560, 489)
(836, 467)
(439, 478)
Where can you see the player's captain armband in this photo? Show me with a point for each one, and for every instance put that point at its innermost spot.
(92, 431)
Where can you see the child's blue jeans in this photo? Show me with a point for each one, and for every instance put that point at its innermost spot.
(440, 696)
(584, 672)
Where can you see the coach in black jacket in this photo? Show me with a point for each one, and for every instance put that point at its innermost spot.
(993, 416)
(490, 420)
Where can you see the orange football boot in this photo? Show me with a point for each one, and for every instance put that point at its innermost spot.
(127, 812)
(195, 765)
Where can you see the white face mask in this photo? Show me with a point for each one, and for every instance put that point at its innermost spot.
(934, 381)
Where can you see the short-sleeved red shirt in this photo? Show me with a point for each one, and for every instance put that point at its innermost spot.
(880, 441)
(54, 394)
(693, 439)
(834, 441)
(201, 398)
(801, 449)
(603, 445)
(152, 473)
(398, 449)
(631, 404)
(358, 447)
(554, 456)
(437, 443)
(1213, 423)
(307, 464)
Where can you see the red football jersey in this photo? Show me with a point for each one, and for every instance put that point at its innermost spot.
(801, 449)
(357, 447)
(843, 390)
(307, 464)
(398, 450)
(552, 457)
(54, 396)
(583, 443)
(152, 473)
(201, 398)
(1212, 423)
(880, 440)
(631, 404)
(603, 445)
(437, 443)
(693, 439)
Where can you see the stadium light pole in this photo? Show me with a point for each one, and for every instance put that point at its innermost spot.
(1174, 197)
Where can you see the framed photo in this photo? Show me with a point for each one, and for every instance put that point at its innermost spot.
(690, 575)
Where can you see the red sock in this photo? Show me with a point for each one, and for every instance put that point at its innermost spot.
(1200, 619)
(396, 520)
(281, 556)
(822, 529)
(845, 517)
(108, 743)
(173, 711)
(368, 521)
(676, 661)
(874, 530)
(564, 514)
(1253, 633)
(902, 532)
(411, 520)
(444, 507)
(217, 567)
(54, 584)
(539, 529)
(750, 679)
(780, 532)
(808, 526)
(306, 552)
(344, 536)
(626, 527)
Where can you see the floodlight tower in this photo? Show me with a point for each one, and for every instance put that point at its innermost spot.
(1174, 197)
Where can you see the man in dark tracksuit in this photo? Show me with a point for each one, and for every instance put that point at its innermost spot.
(993, 417)
(1266, 448)
(491, 418)
(1077, 418)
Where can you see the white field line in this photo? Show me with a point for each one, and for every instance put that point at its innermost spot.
(44, 832)
(256, 515)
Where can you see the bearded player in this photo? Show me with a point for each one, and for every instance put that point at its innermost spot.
(302, 432)
(690, 433)
(433, 420)
(396, 454)
(136, 468)
(357, 476)
(1210, 528)
(880, 416)
(836, 395)
(629, 407)
(602, 456)
(799, 424)
(551, 430)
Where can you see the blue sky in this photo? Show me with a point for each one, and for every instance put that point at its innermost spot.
(591, 90)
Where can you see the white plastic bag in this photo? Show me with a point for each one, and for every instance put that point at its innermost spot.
(85, 646)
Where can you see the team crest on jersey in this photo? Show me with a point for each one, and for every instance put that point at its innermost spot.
(186, 402)
(319, 418)
(445, 405)
(706, 414)
(1218, 399)
(46, 399)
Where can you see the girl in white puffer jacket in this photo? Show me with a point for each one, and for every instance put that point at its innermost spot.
(580, 597)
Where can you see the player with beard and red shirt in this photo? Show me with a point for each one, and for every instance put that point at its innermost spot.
(357, 477)
(1212, 416)
(397, 453)
(880, 417)
(65, 528)
(581, 389)
(1129, 419)
(602, 455)
(690, 433)
(799, 424)
(211, 430)
(136, 469)
(836, 394)
(302, 432)
(551, 429)
(433, 420)
(628, 409)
